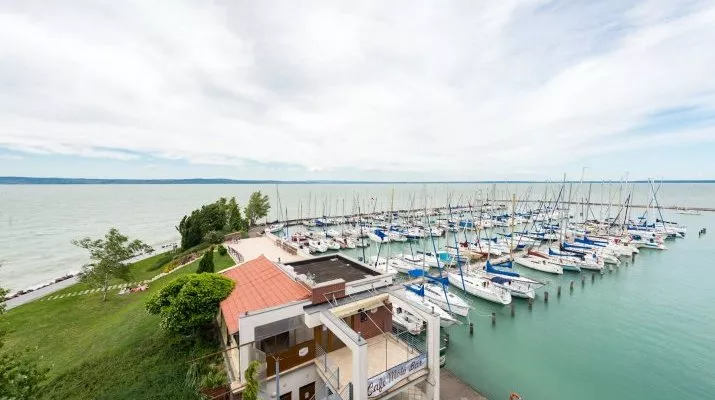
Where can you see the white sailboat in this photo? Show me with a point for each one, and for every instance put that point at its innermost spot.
(480, 286)
(539, 264)
(378, 236)
(317, 246)
(275, 228)
(445, 299)
(425, 304)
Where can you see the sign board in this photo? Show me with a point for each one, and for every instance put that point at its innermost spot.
(381, 383)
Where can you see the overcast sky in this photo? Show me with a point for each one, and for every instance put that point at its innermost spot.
(502, 89)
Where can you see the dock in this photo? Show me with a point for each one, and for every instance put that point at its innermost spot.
(451, 387)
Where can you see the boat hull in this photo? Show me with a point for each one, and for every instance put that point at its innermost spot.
(538, 264)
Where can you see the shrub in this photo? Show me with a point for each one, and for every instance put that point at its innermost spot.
(207, 262)
(190, 301)
(214, 237)
(222, 250)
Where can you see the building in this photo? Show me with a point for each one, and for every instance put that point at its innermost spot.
(321, 328)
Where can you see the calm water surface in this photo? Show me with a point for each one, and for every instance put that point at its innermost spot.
(646, 331)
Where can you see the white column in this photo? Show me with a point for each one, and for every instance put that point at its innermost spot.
(433, 356)
(358, 348)
(359, 378)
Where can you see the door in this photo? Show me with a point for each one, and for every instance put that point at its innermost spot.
(306, 392)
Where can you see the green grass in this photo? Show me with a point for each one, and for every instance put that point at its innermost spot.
(107, 350)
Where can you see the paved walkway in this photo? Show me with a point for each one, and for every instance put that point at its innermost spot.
(251, 248)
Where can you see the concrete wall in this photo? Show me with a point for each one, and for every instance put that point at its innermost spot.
(291, 382)
(368, 283)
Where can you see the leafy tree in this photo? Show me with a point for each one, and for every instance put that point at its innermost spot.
(20, 374)
(190, 230)
(258, 206)
(108, 257)
(189, 302)
(221, 250)
(251, 390)
(207, 262)
(210, 222)
(235, 220)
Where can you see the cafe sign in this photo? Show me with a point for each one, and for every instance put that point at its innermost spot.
(381, 383)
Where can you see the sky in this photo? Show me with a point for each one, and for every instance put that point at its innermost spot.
(357, 90)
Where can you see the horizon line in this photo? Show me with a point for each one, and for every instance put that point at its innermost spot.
(29, 180)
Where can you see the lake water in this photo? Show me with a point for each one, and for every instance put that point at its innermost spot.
(646, 331)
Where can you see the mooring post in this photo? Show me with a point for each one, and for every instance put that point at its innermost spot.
(531, 303)
(571, 286)
(512, 310)
(593, 278)
(558, 291)
(471, 328)
(494, 318)
(546, 297)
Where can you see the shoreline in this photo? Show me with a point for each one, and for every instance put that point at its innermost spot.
(35, 292)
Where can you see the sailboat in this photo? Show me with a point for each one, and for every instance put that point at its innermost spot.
(480, 286)
(417, 298)
(517, 285)
(436, 290)
(275, 228)
(539, 264)
(378, 236)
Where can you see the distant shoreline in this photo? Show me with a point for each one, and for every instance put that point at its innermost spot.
(24, 180)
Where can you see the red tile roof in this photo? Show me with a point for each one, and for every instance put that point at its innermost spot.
(259, 284)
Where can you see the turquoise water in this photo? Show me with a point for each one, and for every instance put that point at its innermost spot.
(38, 222)
(644, 331)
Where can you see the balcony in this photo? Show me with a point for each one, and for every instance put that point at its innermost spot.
(385, 352)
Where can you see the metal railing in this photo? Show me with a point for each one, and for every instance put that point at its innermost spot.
(329, 370)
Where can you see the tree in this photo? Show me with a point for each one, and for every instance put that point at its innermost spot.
(210, 222)
(20, 374)
(251, 390)
(258, 206)
(108, 257)
(235, 220)
(207, 262)
(221, 250)
(189, 302)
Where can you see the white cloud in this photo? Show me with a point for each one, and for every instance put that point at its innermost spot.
(445, 88)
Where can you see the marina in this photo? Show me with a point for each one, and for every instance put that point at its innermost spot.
(571, 327)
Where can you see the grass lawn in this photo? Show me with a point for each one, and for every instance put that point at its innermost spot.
(107, 350)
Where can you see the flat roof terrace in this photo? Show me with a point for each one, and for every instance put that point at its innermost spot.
(331, 267)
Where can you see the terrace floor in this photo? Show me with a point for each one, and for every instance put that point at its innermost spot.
(383, 352)
(253, 247)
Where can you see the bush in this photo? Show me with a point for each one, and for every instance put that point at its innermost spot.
(207, 262)
(214, 237)
(190, 301)
(222, 250)
(162, 261)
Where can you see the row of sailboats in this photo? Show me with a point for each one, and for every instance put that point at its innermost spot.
(549, 240)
